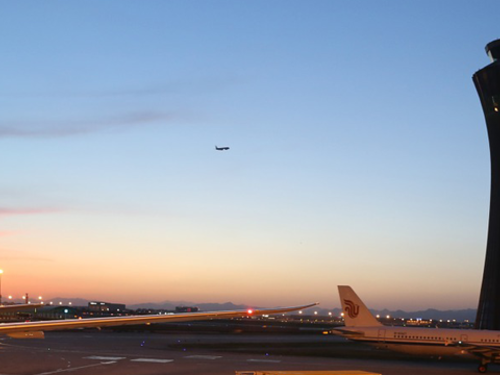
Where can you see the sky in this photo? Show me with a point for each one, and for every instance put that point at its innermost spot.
(358, 151)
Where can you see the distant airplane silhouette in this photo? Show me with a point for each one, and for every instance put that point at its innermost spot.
(221, 148)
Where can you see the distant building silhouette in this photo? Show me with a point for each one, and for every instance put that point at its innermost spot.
(106, 307)
(182, 309)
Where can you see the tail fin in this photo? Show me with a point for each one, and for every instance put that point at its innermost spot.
(356, 314)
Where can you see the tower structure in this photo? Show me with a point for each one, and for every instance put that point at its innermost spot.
(487, 82)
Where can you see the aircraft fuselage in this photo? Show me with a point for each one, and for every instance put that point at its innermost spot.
(423, 341)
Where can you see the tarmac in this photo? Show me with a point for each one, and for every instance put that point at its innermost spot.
(141, 353)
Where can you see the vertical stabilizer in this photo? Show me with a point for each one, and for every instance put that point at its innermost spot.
(356, 314)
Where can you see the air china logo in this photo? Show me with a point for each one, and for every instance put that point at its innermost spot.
(351, 308)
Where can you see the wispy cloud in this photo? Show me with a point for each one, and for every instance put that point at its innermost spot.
(30, 129)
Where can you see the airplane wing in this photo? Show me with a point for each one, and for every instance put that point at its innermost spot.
(36, 329)
(481, 351)
(19, 307)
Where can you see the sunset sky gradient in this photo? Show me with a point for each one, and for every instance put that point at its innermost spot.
(359, 152)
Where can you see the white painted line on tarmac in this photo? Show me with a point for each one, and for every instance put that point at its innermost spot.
(151, 360)
(203, 357)
(100, 358)
(69, 369)
(264, 360)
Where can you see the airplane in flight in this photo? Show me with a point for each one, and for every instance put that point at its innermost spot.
(26, 330)
(362, 326)
(221, 148)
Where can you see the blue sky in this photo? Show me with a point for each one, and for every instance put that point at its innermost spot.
(359, 153)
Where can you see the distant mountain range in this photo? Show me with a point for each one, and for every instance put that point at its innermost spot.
(458, 315)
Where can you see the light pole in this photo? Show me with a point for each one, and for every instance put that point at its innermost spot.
(1, 272)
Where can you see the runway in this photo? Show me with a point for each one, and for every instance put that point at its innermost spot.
(141, 353)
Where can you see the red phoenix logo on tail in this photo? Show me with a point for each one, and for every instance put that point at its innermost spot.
(351, 308)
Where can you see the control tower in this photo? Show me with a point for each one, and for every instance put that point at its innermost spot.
(487, 82)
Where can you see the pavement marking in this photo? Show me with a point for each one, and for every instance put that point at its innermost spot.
(264, 360)
(58, 371)
(100, 358)
(203, 356)
(151, 360)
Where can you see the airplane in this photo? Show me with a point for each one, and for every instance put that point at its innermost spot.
(221, 148)
(362, 326)
(35, 330)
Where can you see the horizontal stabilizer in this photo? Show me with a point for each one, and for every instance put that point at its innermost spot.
(347, 332)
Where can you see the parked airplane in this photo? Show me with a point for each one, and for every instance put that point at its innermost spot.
(25, 330)
(362, 326)
(221, 148)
